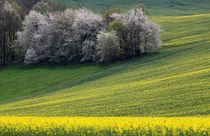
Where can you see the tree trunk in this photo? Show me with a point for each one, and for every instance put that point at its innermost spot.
(4, 50)
(13, 52)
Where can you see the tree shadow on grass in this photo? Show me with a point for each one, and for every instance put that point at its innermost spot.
(105, 70)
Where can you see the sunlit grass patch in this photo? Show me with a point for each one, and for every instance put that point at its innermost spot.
(171, 82)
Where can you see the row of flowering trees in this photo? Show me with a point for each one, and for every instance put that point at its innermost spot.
(83, 36)
(12, 12)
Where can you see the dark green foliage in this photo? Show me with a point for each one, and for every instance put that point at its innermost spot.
(109, 11)
(143, 7)
(10, 23)
(45, 6)
(27, 4)
(18, 9)
(119, 28)
(42, 7)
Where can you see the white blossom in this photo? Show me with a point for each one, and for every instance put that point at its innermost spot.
(61, 41)
(116, 16)
(142, 35)
(31, 56)
(88, 50)
(87, 24)
(7, 7)
(108, 46)
(34, 36)
(81, 35)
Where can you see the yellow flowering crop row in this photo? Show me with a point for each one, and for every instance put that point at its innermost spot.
(104, 126)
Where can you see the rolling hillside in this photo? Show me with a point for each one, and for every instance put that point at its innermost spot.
(171, 82)
(156, 7)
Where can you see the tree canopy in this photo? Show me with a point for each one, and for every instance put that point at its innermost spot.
(83, 36)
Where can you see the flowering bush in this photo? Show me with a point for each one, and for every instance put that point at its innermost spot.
(81, 35)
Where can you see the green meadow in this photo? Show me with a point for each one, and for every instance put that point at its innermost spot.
(171, 82)
(155, 7)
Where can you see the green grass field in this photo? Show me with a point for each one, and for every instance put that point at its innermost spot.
(25, 80)
(171, 82)
(156, 7)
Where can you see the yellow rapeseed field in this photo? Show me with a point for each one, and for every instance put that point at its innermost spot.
(104, 126)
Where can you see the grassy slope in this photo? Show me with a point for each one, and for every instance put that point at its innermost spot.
(156, 7)
(172, 82)
(21, 81)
